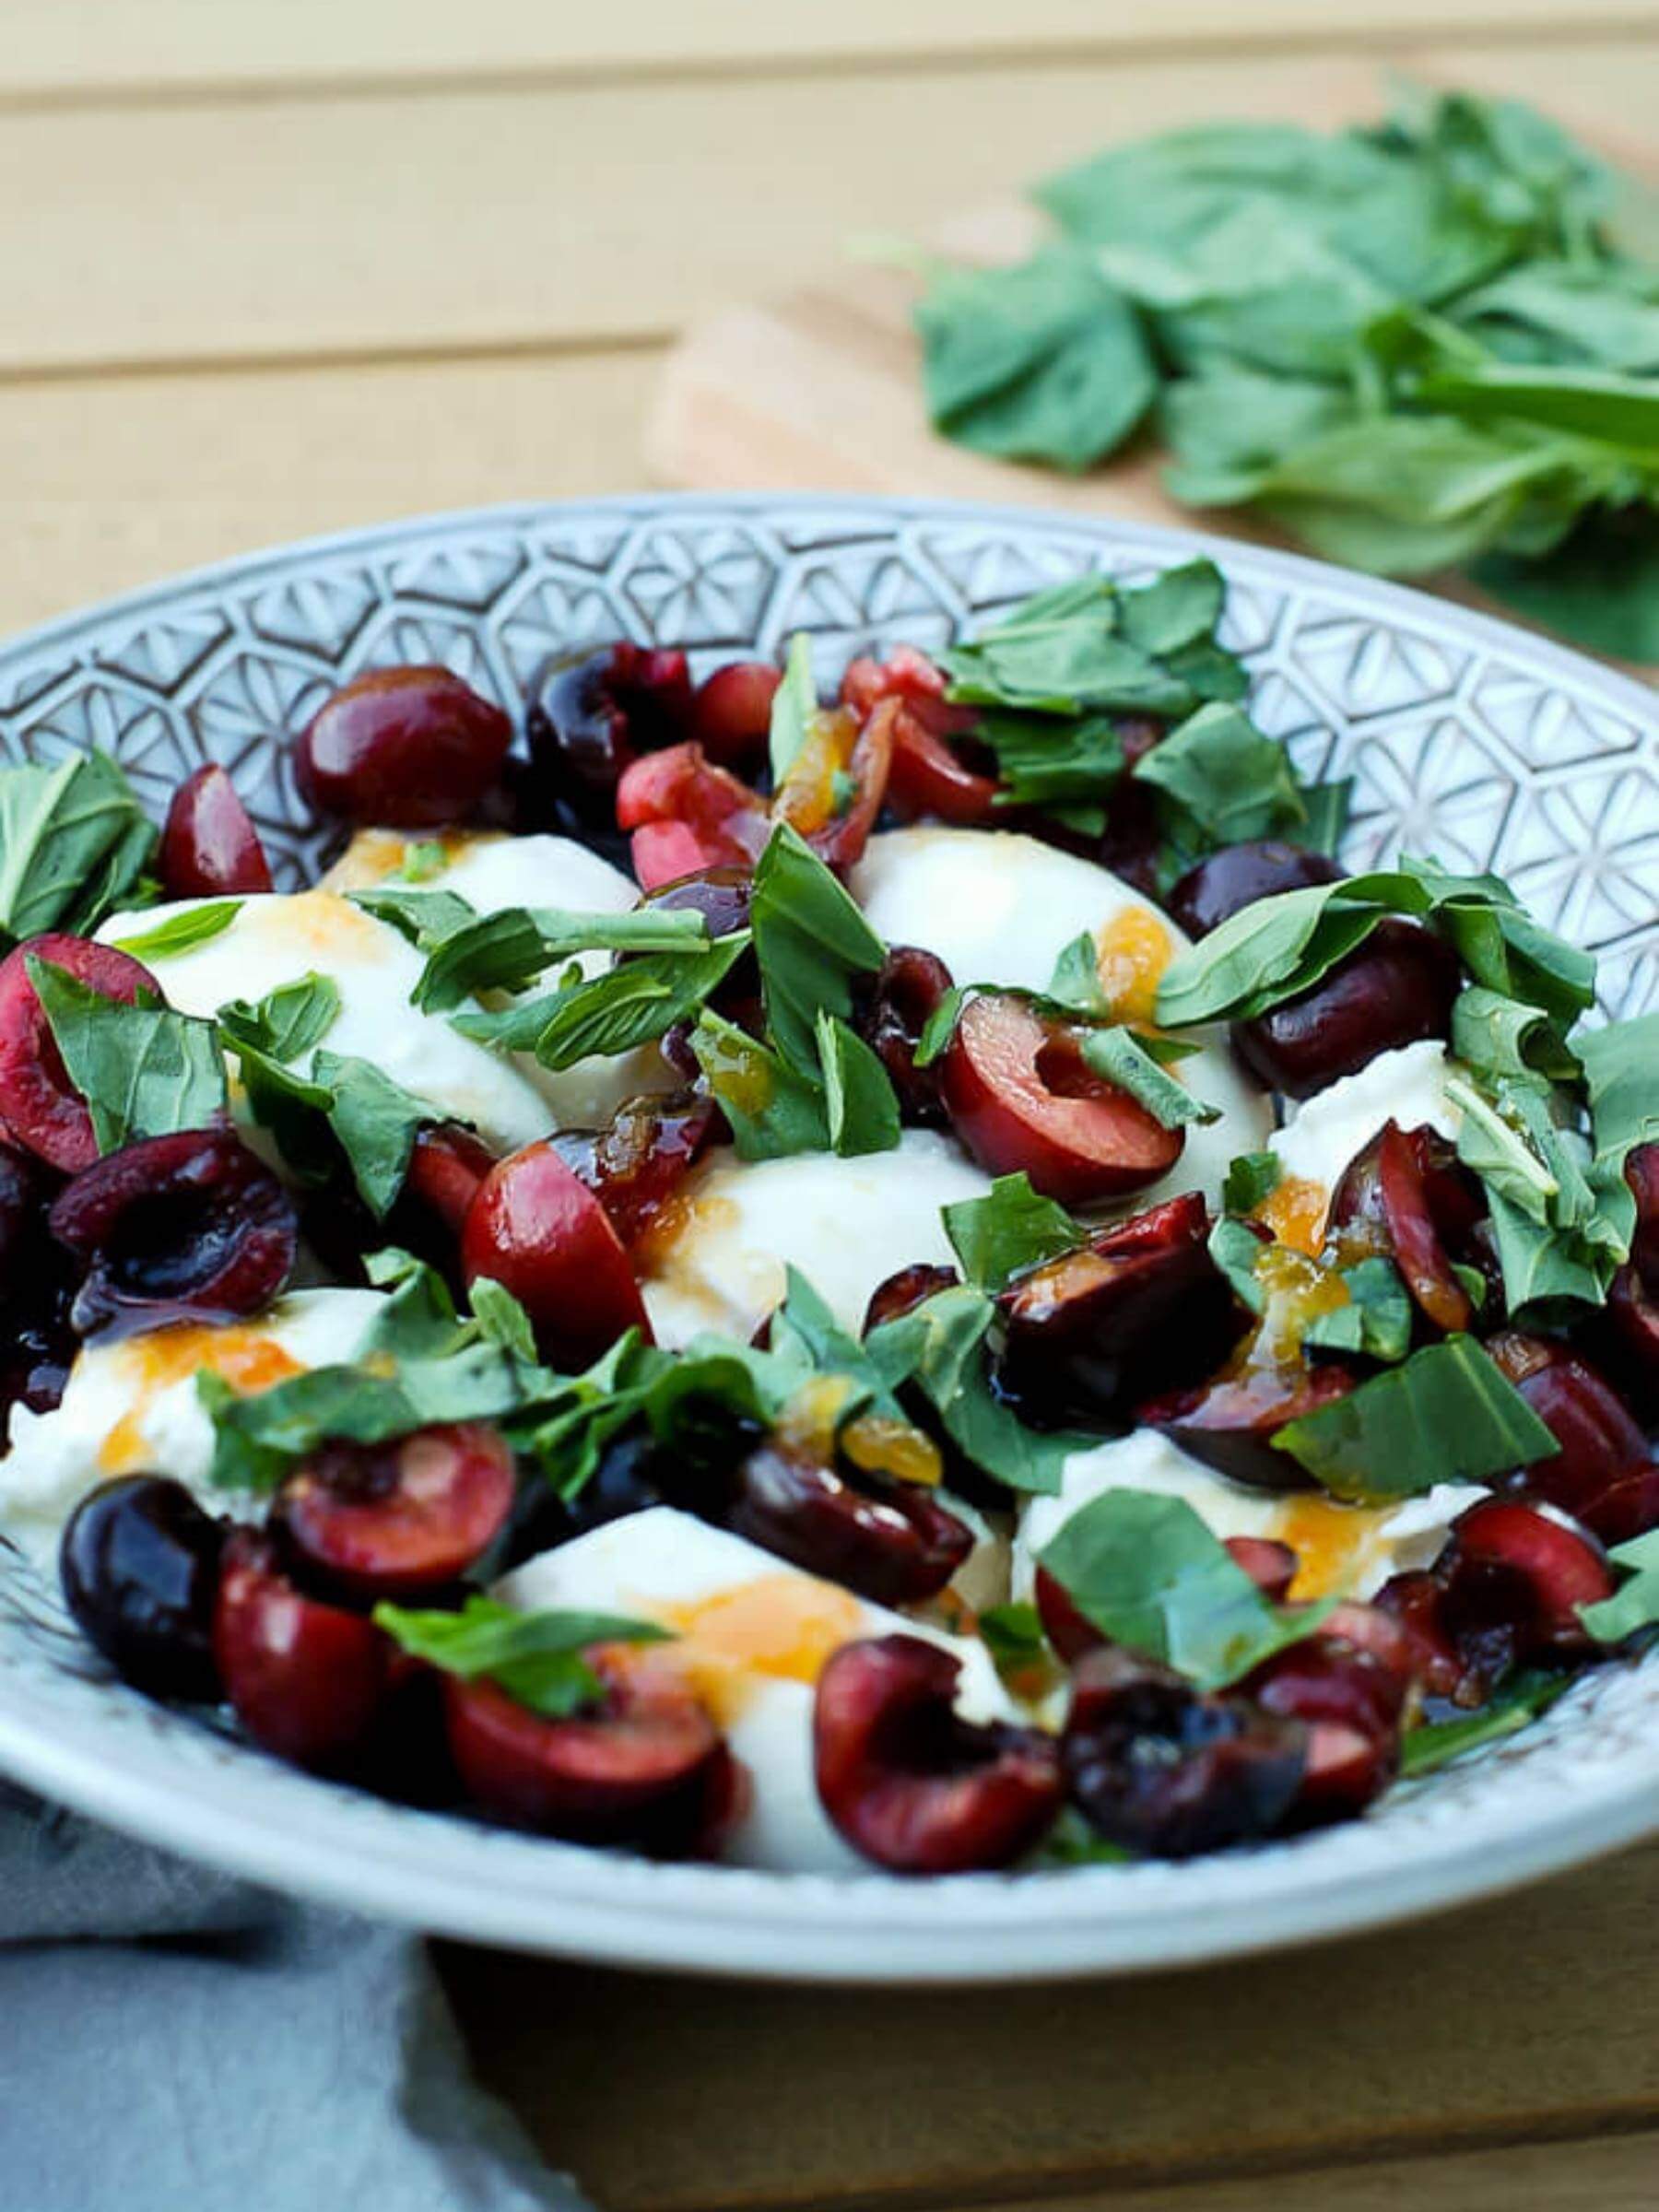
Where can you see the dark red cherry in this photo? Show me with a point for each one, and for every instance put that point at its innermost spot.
(645, 1766)
(38, 1102)
(731, 716)
(410, 748)
(644, 1155)
(1628, 1508)
(307, 1680)
(1069, 1629)
(937, 771)
(536, 1229)
(140, 1562)
(910, 1784)
(1166, 1770)
(1641, 1173)
(686, 816)
(1352, 1706)
(209, 847)
(1238, 876)
(1230, 1424)
(904, 1290)
(893, 1010)
(1407, 1198)
(1396, 990)
(1554, 1562)
(591, 716)
(1140, 1310)
(1022, 1100)
(399, 1520)
(187, 1227)
(1598, 1435)
(889, 1541)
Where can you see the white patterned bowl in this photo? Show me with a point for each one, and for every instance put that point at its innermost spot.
(1467, 739)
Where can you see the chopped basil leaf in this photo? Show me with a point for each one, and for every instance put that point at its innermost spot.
(1235, 1248)
(423, 859)
(1013, 1635)
(811, 941)
(508, 949)
(376, 1121)
(73, 842)
(1072, 1842)
(1146, 1570)
(1078, 647)
(1121, 1057)
(939, 1027)
(1076, 983)
(501, 1318)
(941, 1347)
(1496, 1036)
(1376, 1322)
(1227, 780)
(795, 703)
(1008, 1232)
(286, 1021)
(630, 1004)
(143, 1070)
(427, 919)
(178, 932)
(860, 1111)
(1251, 1177)
(774, 1110)
(1559, 1224)
(1435, 1744)
(1445, 1415)
(1635, 1603)
(535, 1657)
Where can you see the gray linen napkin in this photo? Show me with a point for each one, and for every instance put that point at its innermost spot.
(174, 2041)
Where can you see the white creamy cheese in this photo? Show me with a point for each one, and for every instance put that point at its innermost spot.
(1350, 1549)
(492, 872)
(276, 938)
(754, 1634)
(846, 1224)
(1000, 908)
(1325, 1132)
(131, 1406)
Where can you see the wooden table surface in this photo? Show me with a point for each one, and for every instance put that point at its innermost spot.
(278, 267)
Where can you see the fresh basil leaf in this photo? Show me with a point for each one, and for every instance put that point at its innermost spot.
(1178, 608)
(376, 1121)
(1445, 1415)
(1599, 585)
(1072, 1842)
(143, 1070)
(1122, 1058)
(1500, 1036)
(1041, 361)
(1634, 1604)
(1227, 780)
(941, 1346)
(1434, 1744)
(1326, 808)
(860, 1111)
(795, 703)
(535, 1657)
(1146, 1570)
(939, 1027)
(1251, 1177)
(625, 1007)
(1377, 1321)
(1052, 762)
(287, 1022)
(192, 926)
(501, 1318)
(422, 860)
(1013, 1635)
(1235, 1248)
(1007, 1232)
(811, 941)
(427, 919)
(505, 950)
(1619, 1063)
(73, 842)
(774, 1109)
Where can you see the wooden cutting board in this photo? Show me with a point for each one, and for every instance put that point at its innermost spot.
(821, 389)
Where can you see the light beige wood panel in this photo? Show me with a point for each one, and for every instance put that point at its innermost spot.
(1531, 2018)
(76, 49)
(112, 482)
(293, 227)
(1619, 2173)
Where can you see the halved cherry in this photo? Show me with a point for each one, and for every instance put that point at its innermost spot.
(646, 1151)
(890, 1541)
(1641, 1173)
(910, 1783)
(1415, 1603)
(731, 715)
(537, 1228)
(1166, 1770)
(904, 1290)
(1352, 1708)
(38, 1102)
(1143, 1308)
(833, 789)
(646, 1766)
(1598, 1435)
(1396, 990)
(1554, 1559)
(410, 747)
(929, 777)
(1628, 1508)
(1230, 1424)
(1021, 1099)
(209, 846)
(687, 814)
(1631, 1338)
(1238, 876)
(1404, 1196)
(397, 1519)
(1068, 1628)
(306, 1679)
(893, 1010)
(446, 1166)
